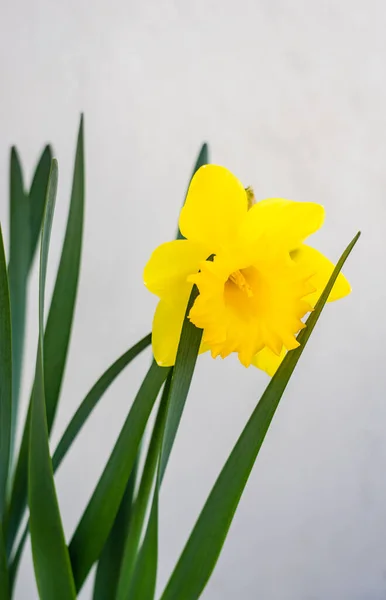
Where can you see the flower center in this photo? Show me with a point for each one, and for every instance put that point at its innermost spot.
(241, 282)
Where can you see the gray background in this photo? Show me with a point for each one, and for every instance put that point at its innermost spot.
(292, 98)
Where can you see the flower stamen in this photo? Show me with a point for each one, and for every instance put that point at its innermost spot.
(238, 279)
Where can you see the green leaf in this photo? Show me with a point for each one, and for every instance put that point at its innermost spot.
(145, 574)
(57, 333)
(13, 569)
(109, 563)
(50, 554)
(60, 316)
(4, 581)
(186, 359)
(37, 196)
(93, 397)
(202, 550)
(98, 518)
(134, 533)
(19, 260)
(79, 419)
(202, 159)
(5, 379)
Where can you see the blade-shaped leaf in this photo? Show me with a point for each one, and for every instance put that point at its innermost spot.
(57, 334)
(133, 536)
(202, 550)
(5, 378)
(142, 501)
(79, 419)
(19, 260)
(98, 518)
(202, 159)
(50, 554)
(187, 352)
(93, 397)
(145, 574)
(37, 197)
(4, 581)
(109, 563)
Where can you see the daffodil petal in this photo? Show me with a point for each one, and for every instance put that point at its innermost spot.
(282, 222)
(215, 206)
(267, 361)
(167, 326)
(315, 262)
(169, 266)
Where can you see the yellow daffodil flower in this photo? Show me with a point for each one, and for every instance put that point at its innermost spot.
(260, 284)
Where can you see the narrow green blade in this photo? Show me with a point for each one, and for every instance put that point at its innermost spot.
(145, 574)
(57, 334)
(109, 563)
(134, 534)
(4, 581)
(202, 159)
(5, 379)
(61, 313)
(98, 518)
(202, 550)
(188, 347)
(19, 260)
(37, 197)
(50, 554)
(93, 397)
(186, 359)
(79, 419)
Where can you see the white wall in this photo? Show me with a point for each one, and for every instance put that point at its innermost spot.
(291, 97)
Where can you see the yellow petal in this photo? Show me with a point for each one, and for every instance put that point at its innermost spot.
(215, 206)
(169, 266)
(167, 326)
(281, 222)
(315, 262)
(267, 361)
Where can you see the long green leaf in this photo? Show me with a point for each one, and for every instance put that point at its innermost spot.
(109, 563)
(202, 159)
(57, 333)
(146, 566)
(19, 260)
(36, 198)
(202, 550)
(133, 536)
(145, 574)
(186, 358)
(5, 379)
(93, 397)
(61, 313)
(98, 518)
(50, 554)
(79, 419)
(4, 581)
(132, 540)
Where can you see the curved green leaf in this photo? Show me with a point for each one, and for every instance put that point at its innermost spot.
(109, 563)
(98, 518)
(5, 379)
(202, 550)
(50, 554)
(57, 333)
(19, 260)
(4, 581)
(93, 397)
(79, 419)
(36, 198)
(133, 536)
(145, 574)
